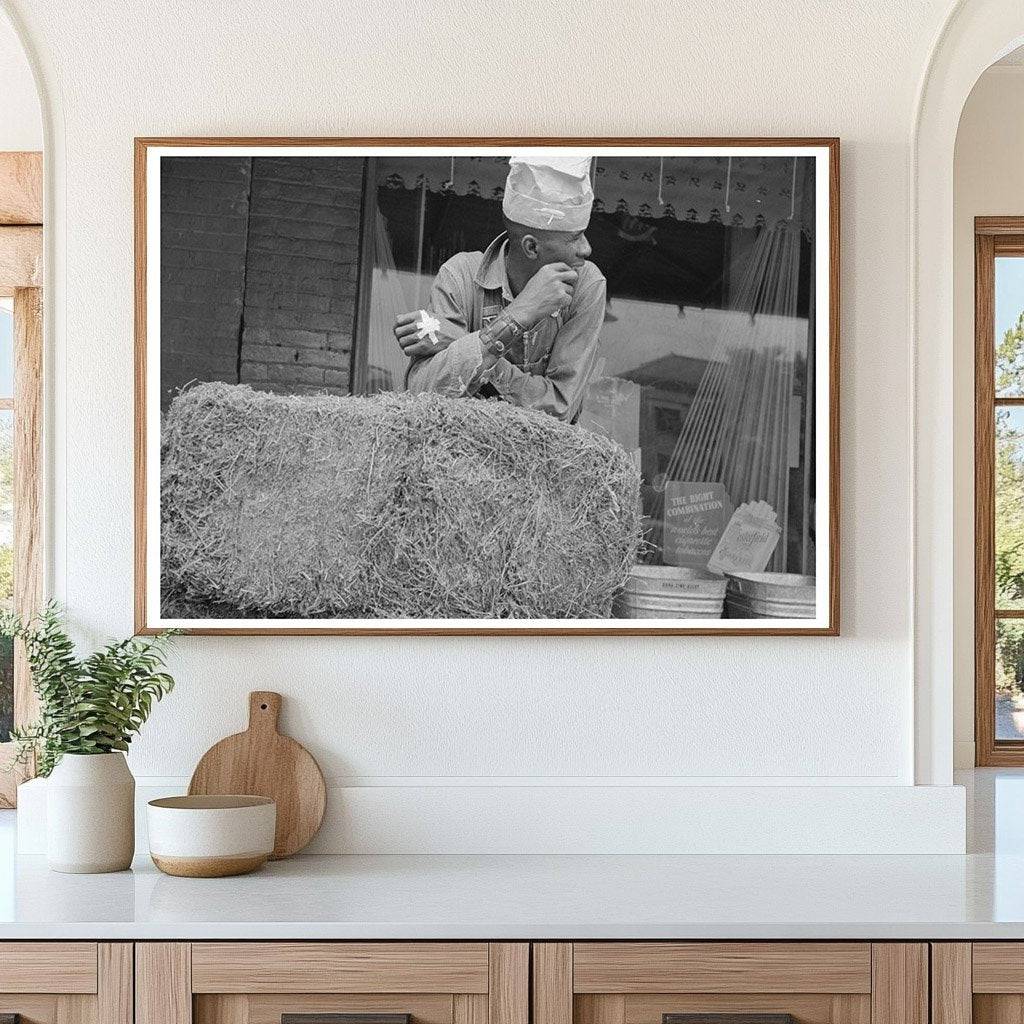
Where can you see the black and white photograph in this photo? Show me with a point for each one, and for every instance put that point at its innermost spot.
(399, 387)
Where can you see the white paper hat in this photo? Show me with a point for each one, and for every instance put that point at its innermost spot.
(549, 189)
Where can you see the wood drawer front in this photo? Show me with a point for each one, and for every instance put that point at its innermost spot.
(46, 1009)
(53, 967)
(366, 967)
(709, 967)
(807, 1008)
(62, 986)
(267, 1009)
(998, 967)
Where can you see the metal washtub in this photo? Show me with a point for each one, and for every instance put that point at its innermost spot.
(671, 592)
(770, 595)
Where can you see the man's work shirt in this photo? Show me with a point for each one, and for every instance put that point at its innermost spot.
(548, 370)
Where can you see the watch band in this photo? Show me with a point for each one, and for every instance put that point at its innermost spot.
(493, 345)
(500, 333)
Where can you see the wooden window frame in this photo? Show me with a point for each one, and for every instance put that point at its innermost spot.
(21, 270)
(993, 236)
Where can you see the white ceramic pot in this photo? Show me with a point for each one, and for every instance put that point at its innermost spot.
(211, 836)
(90, 814)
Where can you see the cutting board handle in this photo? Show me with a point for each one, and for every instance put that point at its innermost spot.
(264, 710)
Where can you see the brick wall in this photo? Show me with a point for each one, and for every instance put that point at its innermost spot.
(302, 274)
(204, 217)
(259, 271)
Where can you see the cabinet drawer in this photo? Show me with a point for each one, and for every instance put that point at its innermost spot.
(48, 967)
(980, 982)
(634, 967)
(340, 967)
(66, 982)
(749, 982)
(271, 1009)
(998, 967)
(262, 982)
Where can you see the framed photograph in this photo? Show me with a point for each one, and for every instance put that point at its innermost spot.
(487, 386)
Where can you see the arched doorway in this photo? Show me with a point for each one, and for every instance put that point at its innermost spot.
(976, 34)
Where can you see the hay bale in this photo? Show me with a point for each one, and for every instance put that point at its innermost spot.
(393, 506)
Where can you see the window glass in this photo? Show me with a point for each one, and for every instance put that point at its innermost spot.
(1009, 512)
(6, 567)
(6, 348)
(1009, 679)
(706, 351)
(1009, 327)
(6, 513)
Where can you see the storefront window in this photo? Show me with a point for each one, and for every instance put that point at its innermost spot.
(706, 352)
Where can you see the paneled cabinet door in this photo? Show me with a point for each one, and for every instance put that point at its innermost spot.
(332, 983)
(737, 982)
(66, 982)
(979, 982)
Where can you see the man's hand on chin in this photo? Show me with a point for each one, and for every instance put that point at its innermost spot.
(548, 291)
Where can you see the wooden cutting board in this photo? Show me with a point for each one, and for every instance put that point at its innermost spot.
(262, 762)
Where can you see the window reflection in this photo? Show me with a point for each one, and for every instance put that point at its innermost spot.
(706, 369)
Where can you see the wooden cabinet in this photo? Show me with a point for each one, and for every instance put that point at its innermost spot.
(980, 982)
(494, 983)
(647, 982)
(66, 982)
(260, 982)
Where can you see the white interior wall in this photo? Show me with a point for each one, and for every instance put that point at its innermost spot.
(988, 181)
(433, 716)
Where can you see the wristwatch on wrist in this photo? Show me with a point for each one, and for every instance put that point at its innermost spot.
(500, 333)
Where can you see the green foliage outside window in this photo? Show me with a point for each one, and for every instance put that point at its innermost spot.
(1009, 510)
(6, 571)
(6, 688)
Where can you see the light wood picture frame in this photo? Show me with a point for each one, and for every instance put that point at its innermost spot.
(811, 442)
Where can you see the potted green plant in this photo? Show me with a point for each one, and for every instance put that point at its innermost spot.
(89, 710)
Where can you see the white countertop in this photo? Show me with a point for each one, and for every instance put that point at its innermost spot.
(977, 896)
(532, 897)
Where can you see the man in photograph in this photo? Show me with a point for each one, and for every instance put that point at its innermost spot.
(521, 320)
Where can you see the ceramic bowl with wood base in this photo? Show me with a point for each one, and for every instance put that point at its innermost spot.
(211, 836)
